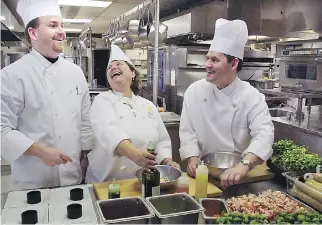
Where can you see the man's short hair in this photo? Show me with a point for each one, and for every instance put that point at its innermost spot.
(240, 63)
(33, 24)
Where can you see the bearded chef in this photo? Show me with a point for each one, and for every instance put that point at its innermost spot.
(45, 105)
(223, 113)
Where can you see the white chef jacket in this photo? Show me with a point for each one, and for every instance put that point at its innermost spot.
(47, 103)
(234, 119)
(116, 118)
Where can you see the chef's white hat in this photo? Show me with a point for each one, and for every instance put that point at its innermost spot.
(117, 54)
(32, 9)
(230, 37)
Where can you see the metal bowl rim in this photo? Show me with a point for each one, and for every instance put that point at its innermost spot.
(213, 153)
(136, 173)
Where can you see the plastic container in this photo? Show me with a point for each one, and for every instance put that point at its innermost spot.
(302, 191)
(183, 185)
(201, 181)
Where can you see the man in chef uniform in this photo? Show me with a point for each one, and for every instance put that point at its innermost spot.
(45, 105)
(223, 113)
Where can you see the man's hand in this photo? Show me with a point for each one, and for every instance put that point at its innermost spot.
(53, 156)
(192, 166)
(233, 175)
(170, 162)
(49, 155)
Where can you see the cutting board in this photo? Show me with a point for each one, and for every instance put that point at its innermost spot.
(259, 173)
(132, 187)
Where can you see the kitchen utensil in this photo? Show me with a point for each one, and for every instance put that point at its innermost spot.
(214, 207)
(170, 172)
(124, 211)
(175, 209)
(218, 162)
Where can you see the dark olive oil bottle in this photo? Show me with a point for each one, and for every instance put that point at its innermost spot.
(150, 180)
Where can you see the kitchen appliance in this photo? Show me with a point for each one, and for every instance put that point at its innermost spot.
(179, 66)
(258, 69)
(301, 67)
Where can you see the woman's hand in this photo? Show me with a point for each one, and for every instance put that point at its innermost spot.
(170, 162)
(145, 159)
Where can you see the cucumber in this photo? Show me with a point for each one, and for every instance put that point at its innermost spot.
(317, 177)
(314, 184)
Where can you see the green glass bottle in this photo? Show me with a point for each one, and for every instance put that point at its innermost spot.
(150, 180)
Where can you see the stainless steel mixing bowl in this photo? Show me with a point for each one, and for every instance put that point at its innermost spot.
(172, 173)
(218, 162)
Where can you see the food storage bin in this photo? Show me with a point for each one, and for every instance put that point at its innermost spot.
(177, 208)
(132, 210)
(214, 208)
(302, 191)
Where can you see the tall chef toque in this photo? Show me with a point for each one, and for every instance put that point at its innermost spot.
(230, 37)
(117, 54)
(32, 9)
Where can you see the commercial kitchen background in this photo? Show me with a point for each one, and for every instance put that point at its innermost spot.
(283, 58)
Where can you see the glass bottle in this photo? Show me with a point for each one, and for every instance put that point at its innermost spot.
(150, 179)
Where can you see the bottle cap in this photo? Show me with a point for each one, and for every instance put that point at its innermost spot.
(202, 167)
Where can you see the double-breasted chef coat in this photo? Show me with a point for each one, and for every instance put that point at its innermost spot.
(116, 118)
(234, 119)
(47, 103)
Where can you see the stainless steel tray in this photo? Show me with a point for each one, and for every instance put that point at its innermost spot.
(212, 206)
(306, 207)
(124, 210)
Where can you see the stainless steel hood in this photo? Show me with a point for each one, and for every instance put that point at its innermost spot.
(270, 19)
(197, 23)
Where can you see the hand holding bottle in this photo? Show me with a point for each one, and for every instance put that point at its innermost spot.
(145, 159)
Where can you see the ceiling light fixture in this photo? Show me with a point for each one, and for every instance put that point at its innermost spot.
(11, 27)
(72, 30)
(2, 18)
(77, 20)
(85, 3)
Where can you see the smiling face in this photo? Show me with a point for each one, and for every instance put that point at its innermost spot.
(49, 37)
(119, 76)
(219, 71)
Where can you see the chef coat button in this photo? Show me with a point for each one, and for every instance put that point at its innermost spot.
(204, 99)
(59, 136)
(234, 105)
(121, 117)
(72, 111)
(56, 114)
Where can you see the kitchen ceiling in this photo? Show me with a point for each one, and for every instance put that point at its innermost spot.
(100, 16)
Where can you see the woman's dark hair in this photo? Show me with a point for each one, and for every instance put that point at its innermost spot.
(33, 24)
(136, 82)
(231, 58)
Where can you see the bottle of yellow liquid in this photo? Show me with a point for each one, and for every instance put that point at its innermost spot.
(201, 181)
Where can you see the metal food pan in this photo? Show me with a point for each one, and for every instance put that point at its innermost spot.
(213, 206)
(124, 211)
(177, 208)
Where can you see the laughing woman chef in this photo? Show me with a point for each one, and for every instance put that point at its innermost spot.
(124, 124)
